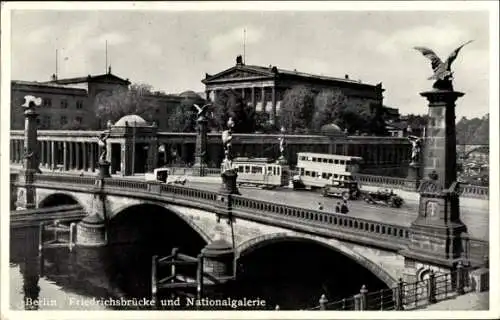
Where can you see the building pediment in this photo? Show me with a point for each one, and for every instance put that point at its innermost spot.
(237, 73)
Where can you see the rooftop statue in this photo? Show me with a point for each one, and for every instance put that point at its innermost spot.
(201, 110)
(442, 70)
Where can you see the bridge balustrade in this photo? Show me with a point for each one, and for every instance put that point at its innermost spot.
(397, 234)
(474, 191)
(341, 226)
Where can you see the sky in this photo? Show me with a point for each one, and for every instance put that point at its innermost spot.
(172, 50)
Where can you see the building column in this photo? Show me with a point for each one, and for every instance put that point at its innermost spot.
(84, 153)
(92, 157)
(253, 98)
(263, 98)
(41, 147)
(53, 156)
(78, 146)
(71, 155)
(65, 156)
(273, 97)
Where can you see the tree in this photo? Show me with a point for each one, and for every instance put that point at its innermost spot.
(376, 121)
(183, 119)
(137, 99)
(230, 103)
(298, 109)
(329, 106)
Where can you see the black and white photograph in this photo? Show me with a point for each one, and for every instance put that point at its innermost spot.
(289, 157)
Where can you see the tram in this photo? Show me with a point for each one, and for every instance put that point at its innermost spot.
(317, 170)
(261, 172)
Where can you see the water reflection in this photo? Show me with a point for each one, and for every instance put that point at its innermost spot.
(287, 274)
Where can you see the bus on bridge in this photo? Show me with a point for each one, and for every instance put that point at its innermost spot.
(316, 170)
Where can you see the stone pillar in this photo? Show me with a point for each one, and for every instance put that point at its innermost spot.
(92, 157)
(26, 192)
(273, 97)
(435, 235)
(91, 231)
(65, 156)
(53, 155)
(253, 98)
(85, 159)
(77, 155)
(200, 162)
(30, 267)
(43, 155)
(263, 98)
(152, 155)
(71, 156)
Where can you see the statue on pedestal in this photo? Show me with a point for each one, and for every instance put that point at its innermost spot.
(228, 173)
(281, 139)
(227, 136)
(102, 143)
(442, 70)
(415, 148)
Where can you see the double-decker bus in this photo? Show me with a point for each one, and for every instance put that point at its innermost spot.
(316, 170)
(261, 172)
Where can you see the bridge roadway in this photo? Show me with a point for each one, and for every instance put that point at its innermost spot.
(476, 219)
(474, 212)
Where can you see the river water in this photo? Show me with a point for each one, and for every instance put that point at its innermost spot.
(87, 278)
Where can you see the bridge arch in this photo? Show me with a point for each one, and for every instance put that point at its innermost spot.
(155, 227)
(113, 214)
(256, 243)
(58, 199)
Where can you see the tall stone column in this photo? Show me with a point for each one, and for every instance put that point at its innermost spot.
(92, 157)
(435, 235)
(200, 161)
(26, 192)
(77, 155)
(253, 98)
(53, 155)
(273, 97)
(263, 98)
(71, 155)
(48, 154)
(85, 153)
(65, 156)
(43, 155)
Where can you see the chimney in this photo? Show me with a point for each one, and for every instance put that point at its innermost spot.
(54, 77)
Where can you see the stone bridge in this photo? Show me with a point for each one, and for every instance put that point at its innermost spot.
(373, 245)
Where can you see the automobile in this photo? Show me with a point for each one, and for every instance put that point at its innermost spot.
(348, 190)
(383, 197)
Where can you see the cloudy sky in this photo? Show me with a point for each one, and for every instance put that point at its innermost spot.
(172, 50)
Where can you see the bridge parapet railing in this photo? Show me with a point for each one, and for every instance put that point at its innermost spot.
(398, 234)
(65, 178)
(472, 191)
(388, 182)
(408, 295)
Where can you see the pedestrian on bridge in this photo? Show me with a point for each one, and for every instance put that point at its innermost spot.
(337, 208)
(320, 206)
(344, 209)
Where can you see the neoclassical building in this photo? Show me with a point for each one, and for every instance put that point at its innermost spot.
(136, 146)
(72, 100)
(264, 87)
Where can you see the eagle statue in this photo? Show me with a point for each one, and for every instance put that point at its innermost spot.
(442, 69)
(202, 110)
(30, 101)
